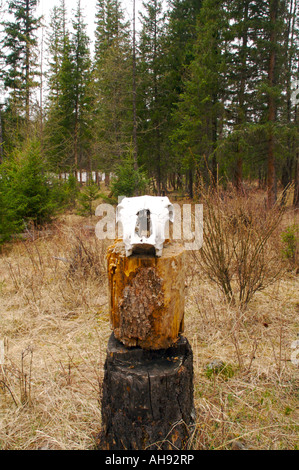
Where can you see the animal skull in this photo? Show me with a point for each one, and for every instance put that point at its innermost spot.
(143, 221)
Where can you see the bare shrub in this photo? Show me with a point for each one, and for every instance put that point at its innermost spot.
(239, 251)
(16, 379)
(87, 258)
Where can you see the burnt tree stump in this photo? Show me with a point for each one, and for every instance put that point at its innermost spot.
(147, 401)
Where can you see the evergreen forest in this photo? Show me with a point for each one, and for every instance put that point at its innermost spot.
(204, 92)
(194, 100)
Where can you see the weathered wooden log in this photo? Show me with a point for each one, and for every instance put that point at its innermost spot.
(147, 400)
(146, 296)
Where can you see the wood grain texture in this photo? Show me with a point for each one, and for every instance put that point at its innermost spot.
(146, 296)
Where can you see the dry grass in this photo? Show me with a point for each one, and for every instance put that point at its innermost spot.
(55, 325)
(255, 398)
(54, 319)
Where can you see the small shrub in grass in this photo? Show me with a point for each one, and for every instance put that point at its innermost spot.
(64, 193)
(8, 222)
(129, 181)
(88, 195)
(220, 368)
(27, 193)
(27, 188)
(239, 252)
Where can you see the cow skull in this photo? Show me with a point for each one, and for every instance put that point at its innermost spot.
(143, 220)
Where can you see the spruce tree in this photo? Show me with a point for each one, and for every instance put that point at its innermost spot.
(68, 123)
(8, 222)
(151, 102)
(180, 37)
(112, 86)
(26, 189)
(240, 73)
(58, 109)
(289, 109)
(55, 44)
(272, 64)
(201, 111)
(178, 45)
(81, 90)
(18, 54)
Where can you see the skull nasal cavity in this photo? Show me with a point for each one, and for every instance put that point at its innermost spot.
(143, 223)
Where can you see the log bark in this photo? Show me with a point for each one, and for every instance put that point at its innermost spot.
(147, 401)
(146, 296)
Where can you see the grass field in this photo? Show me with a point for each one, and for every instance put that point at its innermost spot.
(55, 327)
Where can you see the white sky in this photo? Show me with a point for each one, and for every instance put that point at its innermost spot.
(89, 10)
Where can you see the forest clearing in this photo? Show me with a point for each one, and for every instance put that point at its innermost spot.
(55, 326)
(198, 102)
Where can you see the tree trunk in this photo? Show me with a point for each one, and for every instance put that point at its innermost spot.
(76, 141)
(288, 164)
(242, 112)
(271, 178)
(238, 177)
(271, 181)
(147, 401)
(190, 177)
(296, 179)
(214, 157)
(134, 90)
(296, 189)
(27, 66)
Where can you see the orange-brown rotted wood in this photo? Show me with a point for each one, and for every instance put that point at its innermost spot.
(146, 295)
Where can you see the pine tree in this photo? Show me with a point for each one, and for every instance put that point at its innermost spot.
(56, 44)
(180, 37)
(151, 102)
(243, 71)
(112, 88)
(240, 73)
(234, 110)
(81, 83)
(68, 123)
(289, 111)
(272, 64)
(272, 98)
(18, 54)
(110, 25)
(200, 113)
(59, 78)
(178, 44)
